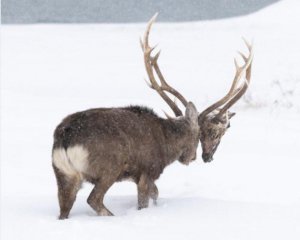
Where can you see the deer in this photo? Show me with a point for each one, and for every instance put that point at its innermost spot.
(106, 145)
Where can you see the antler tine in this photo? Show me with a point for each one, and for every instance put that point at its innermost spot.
(239, 93)
(164, 85)
(234, 94)
(150, 63)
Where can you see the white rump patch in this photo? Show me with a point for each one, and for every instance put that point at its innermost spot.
(72, 162)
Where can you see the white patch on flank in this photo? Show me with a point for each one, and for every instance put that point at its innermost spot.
(72, 162)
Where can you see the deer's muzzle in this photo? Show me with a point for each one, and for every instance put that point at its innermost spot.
(207, 157)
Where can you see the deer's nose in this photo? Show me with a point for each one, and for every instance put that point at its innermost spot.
(207, 157)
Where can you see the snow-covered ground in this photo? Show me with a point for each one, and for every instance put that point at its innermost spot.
(251, 189)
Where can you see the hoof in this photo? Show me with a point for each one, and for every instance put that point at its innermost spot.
(105, 212)
(142, 207)
(62, 217)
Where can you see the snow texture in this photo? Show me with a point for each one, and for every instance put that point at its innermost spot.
(251, 189)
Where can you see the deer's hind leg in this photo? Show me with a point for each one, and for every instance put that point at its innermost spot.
(95, 199)
(68, 187)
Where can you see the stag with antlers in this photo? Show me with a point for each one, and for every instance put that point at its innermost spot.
(106, 145)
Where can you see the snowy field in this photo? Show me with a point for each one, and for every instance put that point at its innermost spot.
(250, 191)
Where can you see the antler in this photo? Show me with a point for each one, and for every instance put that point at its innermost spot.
(150, 64)
(235, 92)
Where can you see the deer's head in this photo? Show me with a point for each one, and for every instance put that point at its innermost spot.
(211, 132)
(214, 120)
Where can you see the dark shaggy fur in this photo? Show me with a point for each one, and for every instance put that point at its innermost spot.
(123, 143)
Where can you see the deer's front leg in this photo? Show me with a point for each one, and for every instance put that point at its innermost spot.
(146, 190)
(143, 191)
(153, 192)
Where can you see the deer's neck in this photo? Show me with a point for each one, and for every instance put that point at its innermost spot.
(176, 132)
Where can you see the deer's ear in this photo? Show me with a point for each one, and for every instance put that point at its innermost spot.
(231, 114)
(191, 113)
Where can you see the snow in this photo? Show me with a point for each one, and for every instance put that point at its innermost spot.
(250, 190)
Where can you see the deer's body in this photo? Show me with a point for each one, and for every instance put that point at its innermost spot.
(125, 142)
(106, 145)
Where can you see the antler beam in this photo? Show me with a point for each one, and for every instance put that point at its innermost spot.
(150, 64)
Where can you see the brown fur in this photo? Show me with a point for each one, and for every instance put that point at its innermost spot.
(212, 130)
(123, 143)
